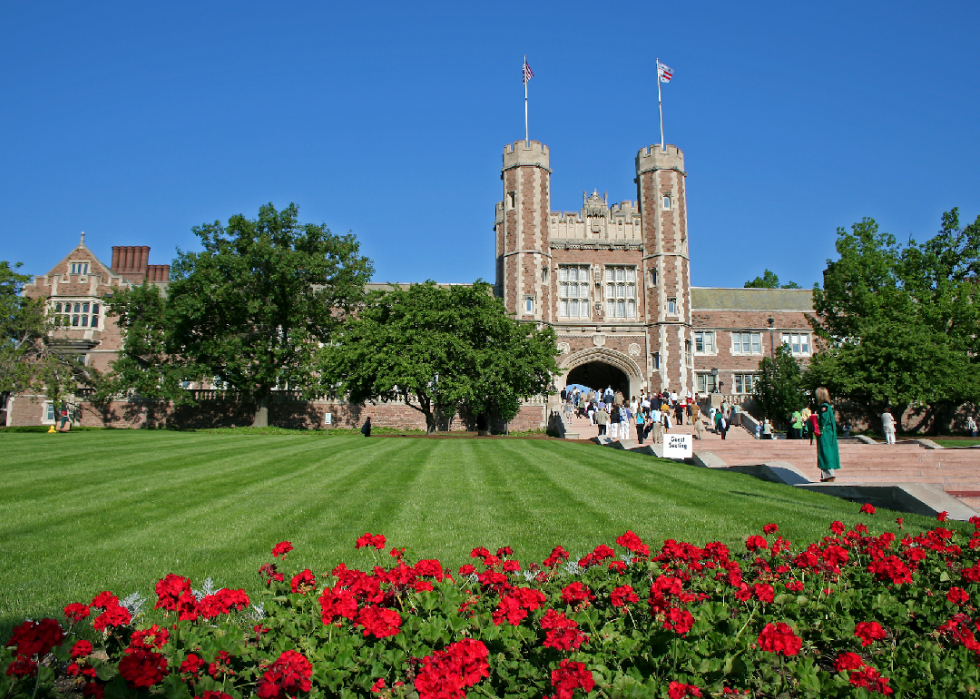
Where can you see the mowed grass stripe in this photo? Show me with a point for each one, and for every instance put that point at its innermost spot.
(117, 510)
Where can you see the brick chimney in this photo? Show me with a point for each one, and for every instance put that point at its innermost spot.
(132, 262)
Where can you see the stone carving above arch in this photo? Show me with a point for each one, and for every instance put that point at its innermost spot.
(564, 347)
(598, 340)
(634, 349)
(601, 354)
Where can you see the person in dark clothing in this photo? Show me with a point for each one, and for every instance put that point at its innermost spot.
(679, 413)
(366, 428)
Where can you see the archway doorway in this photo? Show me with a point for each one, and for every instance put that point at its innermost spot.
(599, 375)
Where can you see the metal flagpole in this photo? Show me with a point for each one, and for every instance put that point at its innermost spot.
(527, 137)
(660, 100)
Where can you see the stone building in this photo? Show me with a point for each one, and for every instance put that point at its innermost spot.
(615, 284)
(613, 281)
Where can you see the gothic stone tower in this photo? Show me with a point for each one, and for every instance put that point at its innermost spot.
(523, 255)
(663, 206)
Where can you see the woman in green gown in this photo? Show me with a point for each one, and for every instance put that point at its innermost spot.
(828, 456)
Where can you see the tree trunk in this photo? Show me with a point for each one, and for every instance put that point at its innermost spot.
(261, 418)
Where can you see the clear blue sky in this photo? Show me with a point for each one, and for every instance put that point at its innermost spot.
(135, 121)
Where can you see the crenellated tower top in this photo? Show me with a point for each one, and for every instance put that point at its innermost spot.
(653, 158)
(520, 153)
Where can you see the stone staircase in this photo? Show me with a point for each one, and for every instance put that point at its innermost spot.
(954, 471)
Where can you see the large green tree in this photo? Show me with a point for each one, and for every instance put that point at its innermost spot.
(440, 350)
(251, 309)
(769, 280)
(900, 321)
(779, 388)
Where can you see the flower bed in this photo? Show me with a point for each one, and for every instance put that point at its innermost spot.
(854, 614)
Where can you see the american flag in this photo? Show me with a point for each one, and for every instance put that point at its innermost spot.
(664, 72)
(528, 74)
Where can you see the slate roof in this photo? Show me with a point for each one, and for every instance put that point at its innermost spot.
(717, 299)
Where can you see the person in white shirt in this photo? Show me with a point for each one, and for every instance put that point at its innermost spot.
(888, 426)
(656, 417)
(971, 426)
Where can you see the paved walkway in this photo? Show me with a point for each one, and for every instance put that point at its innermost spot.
(587, 431)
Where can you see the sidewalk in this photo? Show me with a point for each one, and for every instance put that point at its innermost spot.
(586, 431)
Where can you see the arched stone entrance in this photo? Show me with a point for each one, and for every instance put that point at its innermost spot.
(599, 367)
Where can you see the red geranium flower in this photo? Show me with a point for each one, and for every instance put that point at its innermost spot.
(868, 508)
(779, 638)
(576, 592)
(36, 638)
(871, 679)
(447, 673)
(142, 668)
(679, 620)
(756, 542)
(848, 661)
(770, 528)
(81, 649)
(379, 621)
(558, 554)
(562, 633)
(632, 542)
(334, 603)
(76, 612)
(170, 589)
(288, 676)
(149, 639)
(212, 694)
(281, 549)
(368, 539)
(942, 516)
(621, 596)
(569, 676)
(191, 666)
(104, 600)
(679, 690)
(303, 582)
(957, 595)
(869, 632)
(837, 527)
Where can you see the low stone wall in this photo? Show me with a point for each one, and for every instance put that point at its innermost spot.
(231, 412)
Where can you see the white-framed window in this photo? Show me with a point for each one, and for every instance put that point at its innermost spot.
(573, 291)
(666, 201)
(49, 416)
(704, 342)
(77, 313)
(620, 292)
(528, 305)
(798, 343)
(707, 383)
(746, 343)
(672, 307)
(745, 383)
(79, 267)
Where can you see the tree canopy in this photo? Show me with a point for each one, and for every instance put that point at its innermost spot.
(769, 280)
(251, 309)
(779, 388)
(900, 321)
(441, 350)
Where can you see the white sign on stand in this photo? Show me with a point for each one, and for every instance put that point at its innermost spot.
(328, 418)
(678, 446)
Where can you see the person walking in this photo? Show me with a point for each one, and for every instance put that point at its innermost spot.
(888, 426)
(656, 418)
(601, 419)
(737, 415)
(614, 422)
(698, 424)
(639, 426)
(366, 428)
(796, 425)
(971, 426)
(828, 455)
(722, 424)
(679, 413)
(665, 413)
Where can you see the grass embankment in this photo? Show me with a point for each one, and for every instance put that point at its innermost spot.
(117, 510)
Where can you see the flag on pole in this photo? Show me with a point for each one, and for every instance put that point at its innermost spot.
(664, 72)
(528, 74)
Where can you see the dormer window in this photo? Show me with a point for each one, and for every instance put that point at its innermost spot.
(666, 201)
(79, 267)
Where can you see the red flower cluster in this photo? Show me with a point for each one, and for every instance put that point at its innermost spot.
(756, 542)
(779, 638)
(281, 549)
(562, 633)
(515, 605)
(576, 593)
(558, 554)
(957, 595)
(868, 508)
(379, 621)
(31, 641)
(447, 673)
(367, 539)
(142, 668)
(679, 690)
(622, 596)
(600, 554)
(678, 620)
(270, 572)
(891, 568)
(869, 632)
(153, 638)
(288, 676)
(861, 674)
(191, 667)
(568, 677)
(75, 612)
(303, 582)
(631, 542)
(771, 528)
(170, 591)
(337, 603)
(221, 602)
(113, 615)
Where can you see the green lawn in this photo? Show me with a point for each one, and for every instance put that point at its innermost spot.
(117, 510)
(956, 441)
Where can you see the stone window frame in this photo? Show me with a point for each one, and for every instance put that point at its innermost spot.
(672, 301)
(743, 380)
(666, 202)
(753, 337)
(79, 267)
(85, 318)
(804, 337)
(706, 383)
(528, 305)
(611, 302)
(583, 268)
(47, 408)
(704, 352)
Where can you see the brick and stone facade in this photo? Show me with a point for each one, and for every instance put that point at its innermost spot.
(614, 281)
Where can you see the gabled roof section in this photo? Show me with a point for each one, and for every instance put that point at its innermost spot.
(82, 252)
(719, 299)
